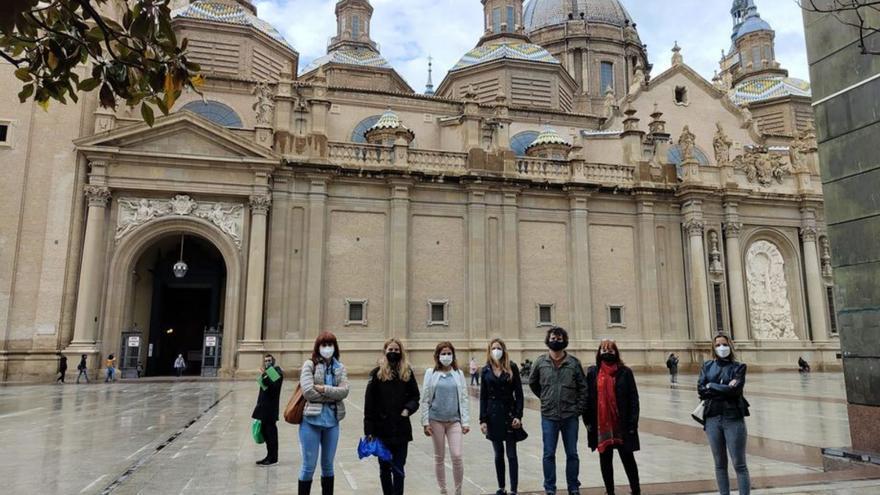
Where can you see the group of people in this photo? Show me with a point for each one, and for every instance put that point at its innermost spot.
(604, 397)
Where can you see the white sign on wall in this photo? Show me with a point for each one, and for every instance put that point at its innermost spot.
(134, 341)
(211, 341)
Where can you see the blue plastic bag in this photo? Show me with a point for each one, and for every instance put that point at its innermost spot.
(374, 446)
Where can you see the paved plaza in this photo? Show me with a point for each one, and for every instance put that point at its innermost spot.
(192, 437)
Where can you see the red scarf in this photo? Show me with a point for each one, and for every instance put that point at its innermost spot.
(607, 414)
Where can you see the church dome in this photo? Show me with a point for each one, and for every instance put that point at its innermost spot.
(543, 13)
(491, 52)
(768, 87)
(229, 13)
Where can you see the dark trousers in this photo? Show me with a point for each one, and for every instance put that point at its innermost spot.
(270, 434)
(551, 430)
(83, 373)
(61, 376)
(392, 474)
(606, 462)
(512, 461)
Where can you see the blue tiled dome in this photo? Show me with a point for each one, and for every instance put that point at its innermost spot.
(206, 10)
(542, 13)
(751, 23)
(495, 51)
(768, 87)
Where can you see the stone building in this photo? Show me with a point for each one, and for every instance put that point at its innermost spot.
(551, 179)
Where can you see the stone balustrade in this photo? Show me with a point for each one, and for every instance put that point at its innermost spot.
(360, 155)
(449, 163)
(543, 169)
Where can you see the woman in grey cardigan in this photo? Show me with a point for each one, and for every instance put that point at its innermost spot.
(324, 385)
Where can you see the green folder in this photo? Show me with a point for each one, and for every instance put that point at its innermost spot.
(273, 374)
(261, 384)
(257, 431)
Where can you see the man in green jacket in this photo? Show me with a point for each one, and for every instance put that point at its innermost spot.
(558, 379)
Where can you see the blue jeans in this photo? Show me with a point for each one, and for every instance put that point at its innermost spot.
(729, 435)
(550, 430)
(311, 438)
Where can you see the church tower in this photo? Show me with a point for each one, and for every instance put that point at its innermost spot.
(353, 25)
(503, 19)
(752, 51)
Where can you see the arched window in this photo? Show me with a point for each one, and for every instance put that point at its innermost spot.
(357, 135)
(216, 112)
(521, 141)
(674, 157)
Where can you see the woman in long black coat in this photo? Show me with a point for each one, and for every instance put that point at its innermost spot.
(612, 416)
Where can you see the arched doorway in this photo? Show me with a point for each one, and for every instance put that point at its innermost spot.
(174, 308)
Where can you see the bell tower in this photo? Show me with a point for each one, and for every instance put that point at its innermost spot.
(503, 19)
(353, 25)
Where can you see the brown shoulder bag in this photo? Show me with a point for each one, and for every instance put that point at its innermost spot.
(293, 412)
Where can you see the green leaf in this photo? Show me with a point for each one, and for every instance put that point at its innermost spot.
(26, 91)
(147, 114)
(89, 84)
(24, 74)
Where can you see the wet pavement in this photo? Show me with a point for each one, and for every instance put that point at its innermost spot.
(193, 437)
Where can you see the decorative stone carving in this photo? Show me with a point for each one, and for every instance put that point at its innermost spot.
(134, 212)
(686, 143)
(715, 266)
(762, 166)
(97, 195)
(610, 104)
(265, 104)
(722, 145)
(638, 79)
(809, 233)
(732, 229)
(803, 143)
(693, 226)
(677, 58)
(826, 258)
(260, 204)
(746, 114)
(769, 306)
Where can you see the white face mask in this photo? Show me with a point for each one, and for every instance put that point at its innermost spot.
(497, 354)
(446, 359)
(722, 351)
(327, 351)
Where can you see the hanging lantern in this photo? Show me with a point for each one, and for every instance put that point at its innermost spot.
(180, 268)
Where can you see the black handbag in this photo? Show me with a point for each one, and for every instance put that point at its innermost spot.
(517, 434)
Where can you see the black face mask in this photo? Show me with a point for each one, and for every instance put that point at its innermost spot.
(392, 357)
(557, 345)
(608, 357)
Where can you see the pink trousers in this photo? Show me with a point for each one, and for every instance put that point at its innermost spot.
(441, 433)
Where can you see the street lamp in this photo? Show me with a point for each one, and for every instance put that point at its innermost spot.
(180, 268)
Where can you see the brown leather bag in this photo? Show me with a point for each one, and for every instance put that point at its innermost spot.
(293, 411)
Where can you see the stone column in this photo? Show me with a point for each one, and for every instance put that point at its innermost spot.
(398, 314)
(477, 321)
(699, 292)
(582, 304)
(314, 288)
(735, 287)
(648, 285)
(256, 274)
(813, 275)
(88, 298)
(510, 265)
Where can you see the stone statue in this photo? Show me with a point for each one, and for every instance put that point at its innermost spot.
(610, 104)
(715, 266)
(762, 166)
(769, 306)
(638, 79)
(265, 105)
(722, 145)
(746, 114)
(826, 258)
(686, 143)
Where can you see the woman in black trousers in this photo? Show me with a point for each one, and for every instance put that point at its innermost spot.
(501, 410)
(612, 416)
(392, 397)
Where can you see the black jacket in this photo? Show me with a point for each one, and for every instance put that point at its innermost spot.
(267, 402)
(627, 407)
(501, 400)
(383, 403)
(714, 387)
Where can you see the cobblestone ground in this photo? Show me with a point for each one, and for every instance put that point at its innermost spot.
(191, 437)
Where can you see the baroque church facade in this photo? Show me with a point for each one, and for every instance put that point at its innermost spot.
(550, 179)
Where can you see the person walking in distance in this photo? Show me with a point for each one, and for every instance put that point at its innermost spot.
(558, 380)
(62, 369)
(721, 385)
(110, 364)
(612, 417)
(474, 370)
(270, 380)
(392, 397)
(179, 365)
(672, 366)
(82, 369)
(445, 413)
(501, 410)
(324, 383)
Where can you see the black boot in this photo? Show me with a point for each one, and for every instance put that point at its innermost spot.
(327, 485)
(305, 487)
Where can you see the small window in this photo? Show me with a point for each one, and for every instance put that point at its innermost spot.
(832, 312)
(511, 19)
(438, 312)
(355, 26)
(496, 20)
(681, 95)
(356, 312)
(545, 315)
(616, 316)
(606, 74)
(5, 134)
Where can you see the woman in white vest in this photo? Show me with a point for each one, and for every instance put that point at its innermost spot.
(445, 413)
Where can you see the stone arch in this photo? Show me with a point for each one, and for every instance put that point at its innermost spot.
(789, 256)
(130, 248)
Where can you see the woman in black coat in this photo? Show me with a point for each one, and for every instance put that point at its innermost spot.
(392, 397)
(612, 416)
(501, 411)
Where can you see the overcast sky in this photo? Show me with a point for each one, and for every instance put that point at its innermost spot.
(410, 30)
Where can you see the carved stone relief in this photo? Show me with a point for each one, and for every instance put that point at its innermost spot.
(134, 212)
(761, 166)
(715, 265)
(769, 306)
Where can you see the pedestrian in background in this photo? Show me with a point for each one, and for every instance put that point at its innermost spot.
(558, 380)
(672, 366)
(270, 380)
(474, 370)
(82, 369)
(612, 418)
(721, 385)
(179, 365)
(62, 369)
(392, 397)
(324, 383)
(501, 410)
(110, 364)
(446, 413)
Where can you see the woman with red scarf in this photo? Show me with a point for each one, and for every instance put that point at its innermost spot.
(612, 417)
